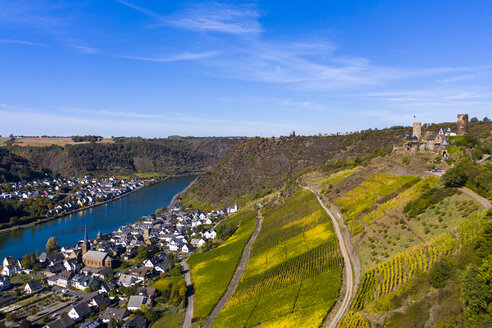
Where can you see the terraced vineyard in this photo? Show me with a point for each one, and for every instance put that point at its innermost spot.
(391, 275)
(378, 189)
(211, 271)
(294, 272)
(401, 199)
(338, 176)
(353, 320)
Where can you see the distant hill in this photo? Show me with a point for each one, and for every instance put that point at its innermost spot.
(260, 165)
(125, 156)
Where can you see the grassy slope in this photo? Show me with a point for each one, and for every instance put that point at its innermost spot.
(211, 271)
(286, 283)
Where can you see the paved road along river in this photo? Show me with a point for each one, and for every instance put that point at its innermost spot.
(105, 218)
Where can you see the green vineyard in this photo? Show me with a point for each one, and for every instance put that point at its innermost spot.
(372, 199)
(372, 192)
(394, 273)
(337, 176)
(294, 272)
(353, 320)
(212, 270)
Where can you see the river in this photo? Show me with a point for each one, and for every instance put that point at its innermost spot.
(105, 218)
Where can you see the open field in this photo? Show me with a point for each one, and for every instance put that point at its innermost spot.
(294, 272)
(48, 141)
(211, 271)
(3, 140)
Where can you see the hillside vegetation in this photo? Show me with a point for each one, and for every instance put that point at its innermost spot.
(212, 270)
(294, 272)
(124, 157)
(16, 168)
(260, 165)
(444, 282)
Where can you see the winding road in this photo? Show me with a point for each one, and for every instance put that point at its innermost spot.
(349, 273)
(189, 298)
(484, 202)
(237, 274)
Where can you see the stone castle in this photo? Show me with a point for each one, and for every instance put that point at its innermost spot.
(434, 141)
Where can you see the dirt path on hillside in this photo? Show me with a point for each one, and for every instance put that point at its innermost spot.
(189, 297)
(484, 202)
(351, 286)
(237, 274)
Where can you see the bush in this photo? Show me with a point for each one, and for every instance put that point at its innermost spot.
(405, 160)
(224, 231)
(455, 177)
(426, 200)
(440, 273)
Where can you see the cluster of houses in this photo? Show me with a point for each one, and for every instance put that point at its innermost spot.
(89, 265)
(84, 192)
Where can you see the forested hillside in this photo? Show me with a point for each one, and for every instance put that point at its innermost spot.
(15, 168)
(126, 156)
(260, 165)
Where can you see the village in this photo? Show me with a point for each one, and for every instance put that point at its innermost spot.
(72, 193)
(103, 281)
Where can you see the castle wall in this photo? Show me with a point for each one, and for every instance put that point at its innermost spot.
(417, 130)
(462, 124)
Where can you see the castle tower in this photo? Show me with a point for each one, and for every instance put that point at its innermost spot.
(85, 246)
(417, 130)
(462, 124)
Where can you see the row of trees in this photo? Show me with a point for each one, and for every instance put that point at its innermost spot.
(86, 138)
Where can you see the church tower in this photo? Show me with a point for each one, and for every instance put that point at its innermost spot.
(85, 246)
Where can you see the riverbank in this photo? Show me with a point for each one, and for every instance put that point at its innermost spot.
(82, 209)
(70, 229)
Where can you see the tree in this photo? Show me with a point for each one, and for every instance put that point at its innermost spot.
(143, 253)
(11, 317)
(474, 119)
(25, 324)
(440, 273)
(475, 290)
(28, 261)
(454, 177)
(52, 245)
(149, 313)
(176, 271)
(486, 119)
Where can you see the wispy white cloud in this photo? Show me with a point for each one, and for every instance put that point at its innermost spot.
(85, 49)
(173, 58)
(217, 17)
(22, 42)
(459, 78)
(138, 8)
(307, 63)
(295, 104)
(109, 122)
(209, 16)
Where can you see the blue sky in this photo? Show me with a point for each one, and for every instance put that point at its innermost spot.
(159, 68)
